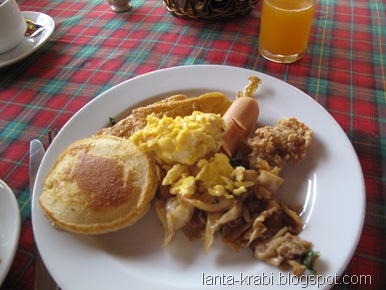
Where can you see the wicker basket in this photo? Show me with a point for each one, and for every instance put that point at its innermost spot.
(210, 9)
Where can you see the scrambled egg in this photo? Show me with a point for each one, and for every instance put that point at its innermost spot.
(182, 146)
(216, 176)
(181, 140)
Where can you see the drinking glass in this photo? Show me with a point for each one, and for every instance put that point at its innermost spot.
(285, 28)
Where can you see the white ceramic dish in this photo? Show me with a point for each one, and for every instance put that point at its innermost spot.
(9, 228)
(329, 183)
(29, 45)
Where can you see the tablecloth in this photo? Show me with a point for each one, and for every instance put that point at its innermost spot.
(93, 49)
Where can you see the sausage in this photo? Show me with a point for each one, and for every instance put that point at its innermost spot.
(240, 120)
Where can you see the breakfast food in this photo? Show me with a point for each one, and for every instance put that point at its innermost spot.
(184, 140)
(240, 118)
(98, 185)
(203, 193)
(177, 105)
(272, 147)
(215, 175)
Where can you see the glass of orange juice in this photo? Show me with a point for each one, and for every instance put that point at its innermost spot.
(285, 28)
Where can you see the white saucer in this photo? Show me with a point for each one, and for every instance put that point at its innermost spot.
(9, 228)
(29, 45)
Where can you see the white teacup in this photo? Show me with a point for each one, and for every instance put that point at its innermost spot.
(12, 25)
(119, 5)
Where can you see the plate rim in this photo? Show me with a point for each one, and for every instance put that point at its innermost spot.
(12, 203)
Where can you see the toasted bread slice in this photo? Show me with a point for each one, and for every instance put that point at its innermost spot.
(98, 185)
(177, 105)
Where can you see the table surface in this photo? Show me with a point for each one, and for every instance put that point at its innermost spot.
(93, 49)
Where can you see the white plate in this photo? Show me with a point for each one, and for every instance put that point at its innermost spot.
(29, 45)
(329, 183)
(9, 228)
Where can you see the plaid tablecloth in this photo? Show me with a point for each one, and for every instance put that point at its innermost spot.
(93, 49)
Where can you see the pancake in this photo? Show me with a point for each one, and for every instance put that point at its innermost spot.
(99, 185)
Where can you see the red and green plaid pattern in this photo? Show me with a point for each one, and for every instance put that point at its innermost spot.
(93, 49)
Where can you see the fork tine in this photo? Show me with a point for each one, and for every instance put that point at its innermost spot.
(51, 135)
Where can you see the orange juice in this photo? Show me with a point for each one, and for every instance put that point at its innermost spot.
(284, 29)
